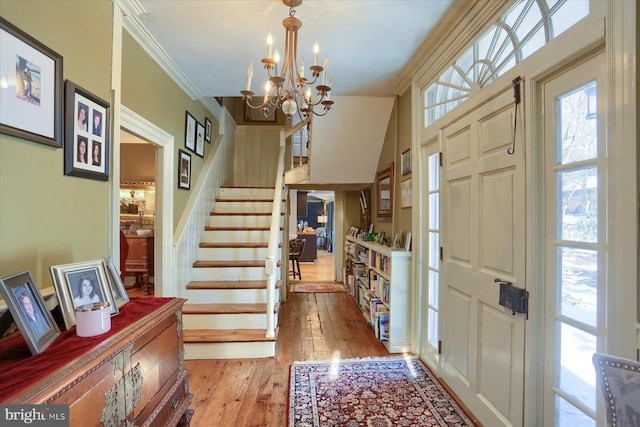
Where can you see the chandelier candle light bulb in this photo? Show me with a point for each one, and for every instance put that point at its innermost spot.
(269, 44)
(302, 68)
(249, 75)
(276, 58)
(267, 88)
(325, 66)
(316, 49)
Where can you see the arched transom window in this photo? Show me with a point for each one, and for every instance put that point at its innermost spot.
(522, 30)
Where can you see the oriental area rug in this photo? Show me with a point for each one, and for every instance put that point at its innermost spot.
(319, 287)
(372, 392)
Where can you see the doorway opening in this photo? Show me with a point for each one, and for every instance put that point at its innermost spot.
(311, 219)
(137, 213)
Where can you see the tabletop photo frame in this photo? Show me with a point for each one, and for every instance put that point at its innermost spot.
(86, 145)
(31, 103)
(118, 289)
(79, 284)
(29, 311)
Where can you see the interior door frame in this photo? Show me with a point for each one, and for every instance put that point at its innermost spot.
(163, 247)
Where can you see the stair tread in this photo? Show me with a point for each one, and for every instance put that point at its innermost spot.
(246, 200)
(243, 213)
(235, 245)
(226, 335)
(227, 308)
(209, 228)
(231, 284)
(230, 263)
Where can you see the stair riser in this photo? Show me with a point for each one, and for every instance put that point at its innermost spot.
(231, 254)
(238, 236)
(226, 321)
(242, 350)
(231, 296)
(229, 273)
(240, 221)
(246, 193)
(262, 207)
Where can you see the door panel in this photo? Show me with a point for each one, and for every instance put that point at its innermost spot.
(460, 211)
(483, 193)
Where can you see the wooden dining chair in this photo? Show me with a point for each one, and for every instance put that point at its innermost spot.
(296, 247)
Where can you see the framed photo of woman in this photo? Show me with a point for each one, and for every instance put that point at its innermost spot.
(29, 311)
(86, 148)
(80, 284)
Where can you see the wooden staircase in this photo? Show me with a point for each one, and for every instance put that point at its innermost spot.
(226, 312)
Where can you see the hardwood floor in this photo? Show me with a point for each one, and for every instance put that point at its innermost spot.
(254, 392)
(321, 269)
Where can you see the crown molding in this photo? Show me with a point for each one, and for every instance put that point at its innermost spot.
(132, 10)
(463, 21)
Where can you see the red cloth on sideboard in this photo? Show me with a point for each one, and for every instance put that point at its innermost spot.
(19, 369)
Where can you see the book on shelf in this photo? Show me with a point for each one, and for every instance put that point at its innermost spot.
(383, 326)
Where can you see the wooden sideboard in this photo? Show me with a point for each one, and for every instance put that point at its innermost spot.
(140, 259)
(135, 376)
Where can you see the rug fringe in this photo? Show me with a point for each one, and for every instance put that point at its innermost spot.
(356, 359)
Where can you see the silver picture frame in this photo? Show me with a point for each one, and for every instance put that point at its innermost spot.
(68, 281)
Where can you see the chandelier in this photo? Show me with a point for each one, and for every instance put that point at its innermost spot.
(287, 87)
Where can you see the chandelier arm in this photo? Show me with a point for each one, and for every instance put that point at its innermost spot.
(287, 87)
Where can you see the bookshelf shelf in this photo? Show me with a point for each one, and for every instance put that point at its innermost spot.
(378, 280)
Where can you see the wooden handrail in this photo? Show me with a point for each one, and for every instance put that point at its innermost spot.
(271, 262)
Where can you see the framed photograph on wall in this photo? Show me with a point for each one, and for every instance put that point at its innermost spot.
(207, 129)
(405, 193)
(384, 187)
(190, 132)
(29, 311)
(184, 170)
(406, 162)
(31, 101)
(86, 146)
(199, 139)
(80, 284)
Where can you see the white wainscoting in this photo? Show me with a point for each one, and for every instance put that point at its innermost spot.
(256, 156)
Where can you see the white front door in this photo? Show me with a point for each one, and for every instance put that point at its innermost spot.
(483, 223)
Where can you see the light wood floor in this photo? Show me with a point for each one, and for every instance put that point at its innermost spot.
(253, 392)
(321, 269)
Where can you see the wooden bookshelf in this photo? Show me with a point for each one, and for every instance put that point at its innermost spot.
(378, 281)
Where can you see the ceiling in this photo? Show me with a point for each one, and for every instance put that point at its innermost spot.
(367, 42)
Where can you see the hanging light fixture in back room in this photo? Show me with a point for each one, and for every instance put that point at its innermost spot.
(287, 88)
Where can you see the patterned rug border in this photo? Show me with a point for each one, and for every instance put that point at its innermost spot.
(336, 287)
(462, 411)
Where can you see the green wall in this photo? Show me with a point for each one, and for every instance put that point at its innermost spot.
(397, 140)
(47, 218)
(150, 92)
